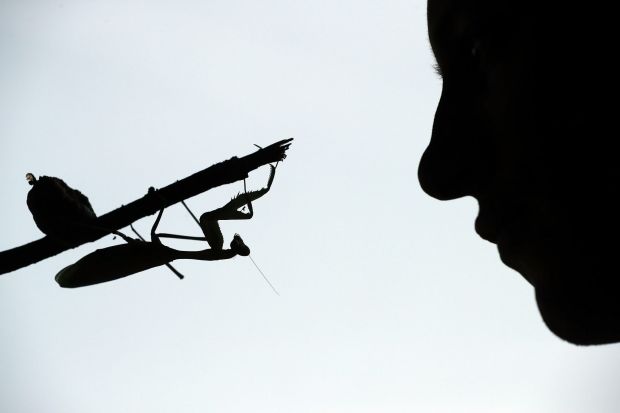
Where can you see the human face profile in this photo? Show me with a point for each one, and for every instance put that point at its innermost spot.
(511, 130)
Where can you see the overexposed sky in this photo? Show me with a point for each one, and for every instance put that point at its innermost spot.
(389, 301)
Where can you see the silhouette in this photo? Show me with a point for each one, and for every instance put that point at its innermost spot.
(523, 125)
(137, 255)
(112, 263)
(226, 172)
(58, 210)
(233, 210)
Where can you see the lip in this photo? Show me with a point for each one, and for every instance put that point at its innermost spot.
(491, 220)
(514, 252)
(510, 232)
(486, 226)
(511, 252)
(501, 221)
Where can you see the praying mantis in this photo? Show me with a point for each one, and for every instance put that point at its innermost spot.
(136, 255)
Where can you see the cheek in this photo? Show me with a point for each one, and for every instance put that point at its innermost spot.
(534, 129)
(509, 103)
(510, 110)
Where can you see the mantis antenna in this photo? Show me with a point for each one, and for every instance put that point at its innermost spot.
(264, 276)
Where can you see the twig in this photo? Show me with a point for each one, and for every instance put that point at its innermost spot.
(232, 170)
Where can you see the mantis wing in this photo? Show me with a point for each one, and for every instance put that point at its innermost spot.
(115, 262)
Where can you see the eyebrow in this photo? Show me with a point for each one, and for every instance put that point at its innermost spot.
(440, 27)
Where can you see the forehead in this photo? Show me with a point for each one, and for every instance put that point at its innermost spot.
(450, 15)
(481, 8)
(448, 18)
(437, 8)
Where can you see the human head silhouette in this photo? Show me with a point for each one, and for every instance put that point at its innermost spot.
(525, 125)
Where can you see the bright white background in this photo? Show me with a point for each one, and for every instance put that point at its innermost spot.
(389, 301)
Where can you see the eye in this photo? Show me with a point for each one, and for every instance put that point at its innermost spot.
(475, 49)
(465, 59)
(472, 48)
(476, 61)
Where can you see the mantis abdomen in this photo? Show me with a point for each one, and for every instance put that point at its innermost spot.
(114, 262)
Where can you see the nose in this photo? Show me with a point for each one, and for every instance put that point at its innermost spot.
(454, 163)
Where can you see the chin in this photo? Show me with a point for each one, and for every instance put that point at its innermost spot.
(578, 300)
(578, 317)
